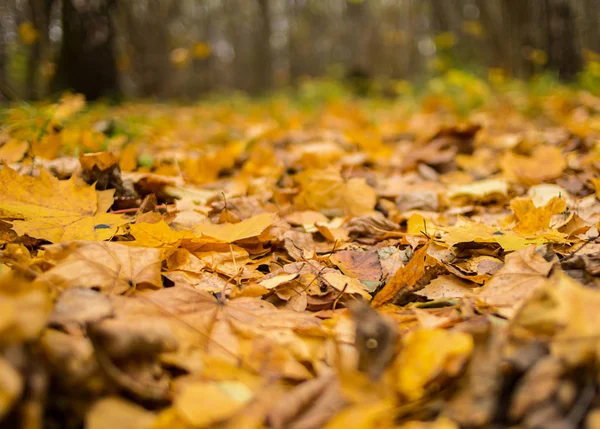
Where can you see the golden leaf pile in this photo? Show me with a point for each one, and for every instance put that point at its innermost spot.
(260, 264)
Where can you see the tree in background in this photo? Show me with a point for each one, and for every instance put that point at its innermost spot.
(182, 48)
(87, 60)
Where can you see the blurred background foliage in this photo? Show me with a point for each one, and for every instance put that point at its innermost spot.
(182, 49)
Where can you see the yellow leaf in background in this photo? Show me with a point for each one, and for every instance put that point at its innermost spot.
(28, 33)
(179, 57)
(101, 160)
(202, 50)
(465, 231)
(52, 209)
(428, 354)
(128, 158)
(444, 40)
(546, 163)
(327, 190)
(204, 404)
(473, 28)
(230, 232)
(13, 150)
(48, 147)
(531, 219)
(69, 105)
(480, 190)
(113, 412)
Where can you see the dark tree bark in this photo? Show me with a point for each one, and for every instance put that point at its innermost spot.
(263, 60)
(4, 93)
(564, 51)
(40, 16)
(87, 61)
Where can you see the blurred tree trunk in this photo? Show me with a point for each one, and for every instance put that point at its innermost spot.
(263, 58)
(87, 60)
(563, 48)
(4, 92)
(518, 19)
(40, 16)
(357, 35)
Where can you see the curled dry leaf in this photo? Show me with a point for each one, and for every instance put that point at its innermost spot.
(404, 279)
(309, 405)
(523, 273)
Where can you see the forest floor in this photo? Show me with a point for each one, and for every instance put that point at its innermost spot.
(306, 260)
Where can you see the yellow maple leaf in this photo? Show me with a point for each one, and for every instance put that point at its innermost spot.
(157, 234)
(327, 190)
(531, 219)
(546, 163)
(54, 210)
(230, 232)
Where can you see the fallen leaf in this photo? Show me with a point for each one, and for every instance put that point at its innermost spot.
(405, 278)
(428, 354)
(54, 210)
(114, 412)
(114, 268)
(230, 232)
(327, 190)
(203, 404)
(523, 273)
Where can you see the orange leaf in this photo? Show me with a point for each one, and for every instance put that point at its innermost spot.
(405, 277)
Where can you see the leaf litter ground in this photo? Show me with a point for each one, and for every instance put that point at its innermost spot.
(345, 264)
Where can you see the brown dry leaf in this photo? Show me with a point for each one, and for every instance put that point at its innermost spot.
(112, 267)
(445, 287)
(405, 278)
(52, 209)
(364, 266)
(477, 269)
(247, 330)
(309, 405)
(523, 273)
(567, 312)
